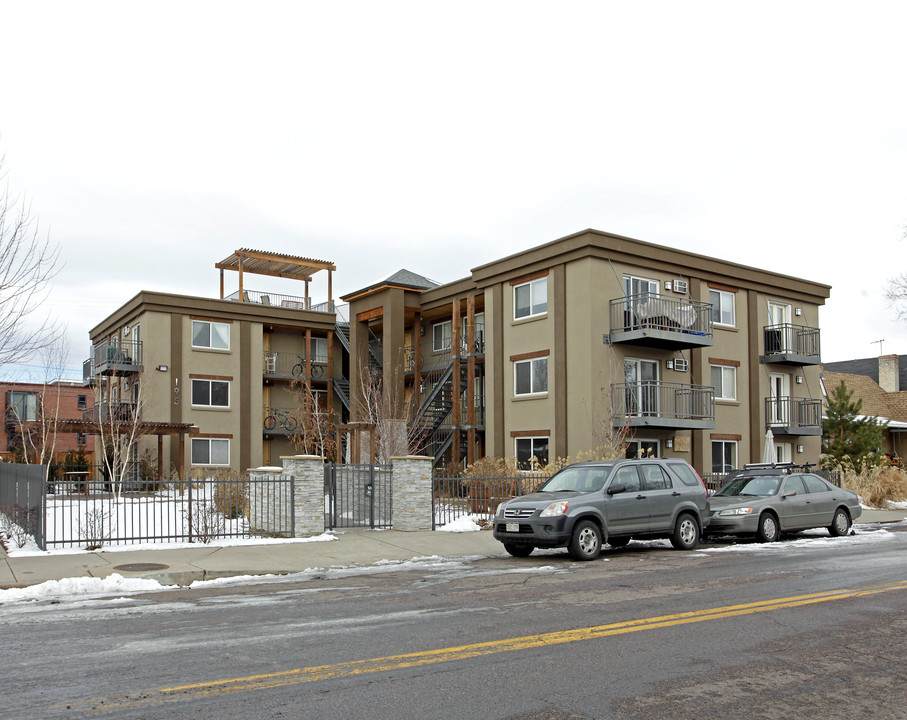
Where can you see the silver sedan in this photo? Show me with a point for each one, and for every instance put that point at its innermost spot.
(766, 505)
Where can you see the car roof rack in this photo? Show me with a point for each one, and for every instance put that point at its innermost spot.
(783, 466)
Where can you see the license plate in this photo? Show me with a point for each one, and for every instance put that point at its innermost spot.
(511, 527)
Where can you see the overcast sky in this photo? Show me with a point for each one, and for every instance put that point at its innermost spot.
(154, 139)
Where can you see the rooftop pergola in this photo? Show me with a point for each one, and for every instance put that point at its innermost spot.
(259, 262)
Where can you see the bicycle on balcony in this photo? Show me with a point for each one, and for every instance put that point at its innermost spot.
(282, 419)
(299, 368)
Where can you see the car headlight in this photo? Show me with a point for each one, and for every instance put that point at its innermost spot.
(737, 511)
(558, 508)
(498, 509)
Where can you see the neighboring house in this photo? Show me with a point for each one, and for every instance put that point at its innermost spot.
(539, 354)
(877, 383)
(27, 407)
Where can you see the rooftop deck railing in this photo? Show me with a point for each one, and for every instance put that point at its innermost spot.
(293, 302)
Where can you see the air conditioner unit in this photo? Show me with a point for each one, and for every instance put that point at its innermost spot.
(681, 286)
(681, 364)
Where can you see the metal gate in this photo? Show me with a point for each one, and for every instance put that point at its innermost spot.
(357, 496)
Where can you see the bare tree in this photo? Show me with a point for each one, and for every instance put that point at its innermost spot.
(315, 436)
(119, 425)
(28, 263)
(390, 412)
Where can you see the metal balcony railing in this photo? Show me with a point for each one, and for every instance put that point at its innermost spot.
(647, 315)
(116, 411)
(293, 302)
(114, 357)
(663, 404)
(794, 415)
(293, 365)
(791, 341)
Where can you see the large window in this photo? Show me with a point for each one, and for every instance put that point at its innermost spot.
(723, 312)
(23, 406)
(531, 447)
(319, 350)
(211, 393)
(208, 334)
(530, 377)
(530, 298)
(441, 336)
(724, 455)
(210, 451)
(724, 380)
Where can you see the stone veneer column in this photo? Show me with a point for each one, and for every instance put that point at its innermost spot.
(308, 481)
(412, 488)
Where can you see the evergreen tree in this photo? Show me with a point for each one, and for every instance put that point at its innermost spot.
(850, 440)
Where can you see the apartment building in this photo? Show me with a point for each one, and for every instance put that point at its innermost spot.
(539, 354)
(250, 370)
(535, 355)
(28, 408)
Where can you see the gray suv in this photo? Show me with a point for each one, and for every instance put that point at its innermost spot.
(588, 504)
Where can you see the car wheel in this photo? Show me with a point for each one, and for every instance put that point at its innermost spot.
(840, 524)
(518, 550)
(768, 530)
(586, 543)
(686, 533)
(619, 542)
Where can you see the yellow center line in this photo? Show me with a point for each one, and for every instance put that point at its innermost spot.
(463, 652)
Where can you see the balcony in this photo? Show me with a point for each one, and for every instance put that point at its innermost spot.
(663, 405)
(788, 344)
(113, 357)
(291, 366)
(290, 421)
(650, 320)
(292, 302)
(111, 412)
(793, 416)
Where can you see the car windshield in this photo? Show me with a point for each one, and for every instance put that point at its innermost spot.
(577, 479)
(751, 485)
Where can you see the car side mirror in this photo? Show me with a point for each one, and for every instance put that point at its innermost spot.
(617, 488)
(788, 494)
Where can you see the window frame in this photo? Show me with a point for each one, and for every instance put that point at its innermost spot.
(210, 382)
(719, 309)
(31, 403)
(724, 444)
(446, 338)
(211, 324)
(532, 375)
(209, 442)
(525, 464)
(533, 286)
(719, 391)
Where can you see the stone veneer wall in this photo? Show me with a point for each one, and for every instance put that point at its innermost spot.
(411, 500)
(412, 484)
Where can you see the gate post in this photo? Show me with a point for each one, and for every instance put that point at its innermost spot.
(412, 486)
(308, 493)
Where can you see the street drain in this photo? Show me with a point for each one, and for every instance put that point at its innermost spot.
(140, 567)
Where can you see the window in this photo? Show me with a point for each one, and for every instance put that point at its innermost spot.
(211, 393)
(724, 455)
(207, 334)
(83, 402)
(627, 476)
(530, 299)
(656, 478)
(210, 451)
(531, 447)
(530, 377)
(441, 337)
(319, 350)
(81, 439)
(641, 449)
(722, 307)
(724, 380)
(23, 405)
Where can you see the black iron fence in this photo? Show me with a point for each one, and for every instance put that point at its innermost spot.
(477, 497)
(86, 509)
(358, 496)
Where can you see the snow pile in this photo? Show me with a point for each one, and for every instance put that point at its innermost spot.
(464, 523)
(81, 586)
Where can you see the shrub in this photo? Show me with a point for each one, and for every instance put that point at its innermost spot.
(877, 486)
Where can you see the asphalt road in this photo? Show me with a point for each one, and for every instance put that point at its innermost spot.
(809, 629)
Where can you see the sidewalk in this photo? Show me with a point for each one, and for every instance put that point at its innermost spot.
(184, 565)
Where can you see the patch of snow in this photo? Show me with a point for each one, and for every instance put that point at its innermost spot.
(464, 523)
(81, 586)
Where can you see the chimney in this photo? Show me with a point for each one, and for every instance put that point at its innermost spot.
(889, 370)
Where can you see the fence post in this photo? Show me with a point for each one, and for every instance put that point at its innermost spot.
(412, 492)
(308, 493)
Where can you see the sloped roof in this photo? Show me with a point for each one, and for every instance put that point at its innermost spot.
(403, 278)
(875, 401)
